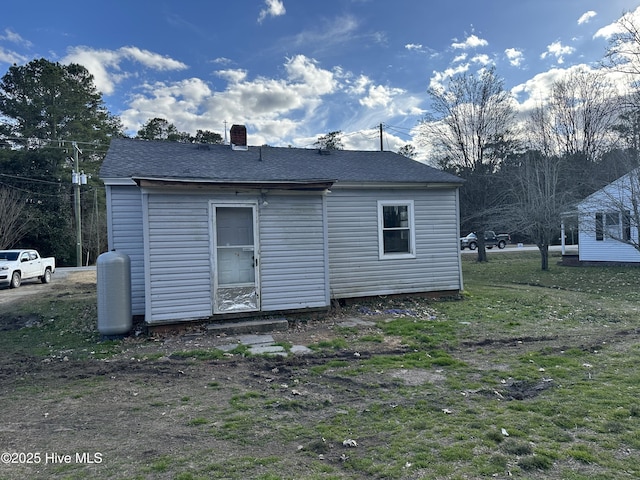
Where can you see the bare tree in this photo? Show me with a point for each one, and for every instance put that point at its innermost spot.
(537, 193)
(469, 115)
(578, 117)
(623, 54)
(470, 124)
(14, 217)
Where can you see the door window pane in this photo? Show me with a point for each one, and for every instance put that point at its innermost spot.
(234, 226)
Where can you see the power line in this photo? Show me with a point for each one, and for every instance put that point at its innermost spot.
(397, 127)
(24, 190)
(61, 143)
(35, 180)
(400, 130)
(48, 140)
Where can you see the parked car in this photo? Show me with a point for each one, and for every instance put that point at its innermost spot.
(490, 240)
(18, 265)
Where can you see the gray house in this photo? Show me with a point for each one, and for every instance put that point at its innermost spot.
(213, 230)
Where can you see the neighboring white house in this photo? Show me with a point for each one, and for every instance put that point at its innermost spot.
(213, 230)
(608, 222)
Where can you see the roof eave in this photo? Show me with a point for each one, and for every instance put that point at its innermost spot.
(407, 185)
(312, 184)
(117, 181)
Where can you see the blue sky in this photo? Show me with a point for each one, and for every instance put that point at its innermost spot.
(294, 70)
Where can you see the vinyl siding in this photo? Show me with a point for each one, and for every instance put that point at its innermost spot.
(608, 249)
(306, 243)
(178, 257)
(124, 204)
(293, 253)
(354, 263)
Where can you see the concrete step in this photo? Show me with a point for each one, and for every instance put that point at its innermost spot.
(235, 327)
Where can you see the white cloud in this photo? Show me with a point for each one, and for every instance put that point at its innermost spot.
(380, 38)
(232, 76)
(413, 46)
(7, 56)
(105, 65)
(222, 61)
(357, 87)
(274, 8)
(537, 90)
(150, 59)
(331, 33)
(459, 58)
(310, 77)
(380, 96)
(472, 41)
(277, 111)
(482, 59)
(439, 78)
(586, 17)
(623, 34)
(180, 103)
(515, 56)
(11, 36)
(10, 56)
(275, 108)
(614, 28)
(557, 50)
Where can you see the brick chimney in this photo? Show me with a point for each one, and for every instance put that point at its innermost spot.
(238, 135)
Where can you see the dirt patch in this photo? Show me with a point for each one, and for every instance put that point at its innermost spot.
(16, 322)
(149, 413)
(418, 377)
(522, 390)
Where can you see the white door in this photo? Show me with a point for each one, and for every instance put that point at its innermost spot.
(236, 278)
(29, 265)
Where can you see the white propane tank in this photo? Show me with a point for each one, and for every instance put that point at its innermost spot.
(113, 276)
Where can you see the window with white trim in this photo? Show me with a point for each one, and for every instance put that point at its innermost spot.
(396, 231)
(612, 225)
(616, 225)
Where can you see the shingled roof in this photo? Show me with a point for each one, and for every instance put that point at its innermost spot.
(142, 159)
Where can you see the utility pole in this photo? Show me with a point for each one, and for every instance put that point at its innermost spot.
(77, 178)
(381, 147)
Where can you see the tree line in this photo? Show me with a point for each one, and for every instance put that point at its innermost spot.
(47, 110)
(523, 172)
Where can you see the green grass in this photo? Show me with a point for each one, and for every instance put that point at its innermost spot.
(334, 344)
(55, 328)
(529, 374)
(558, 336)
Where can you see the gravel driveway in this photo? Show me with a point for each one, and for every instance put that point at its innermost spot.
(33, 287)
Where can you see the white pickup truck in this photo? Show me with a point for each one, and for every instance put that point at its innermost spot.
(18, 265)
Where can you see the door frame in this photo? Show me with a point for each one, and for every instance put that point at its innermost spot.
(213, 257)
